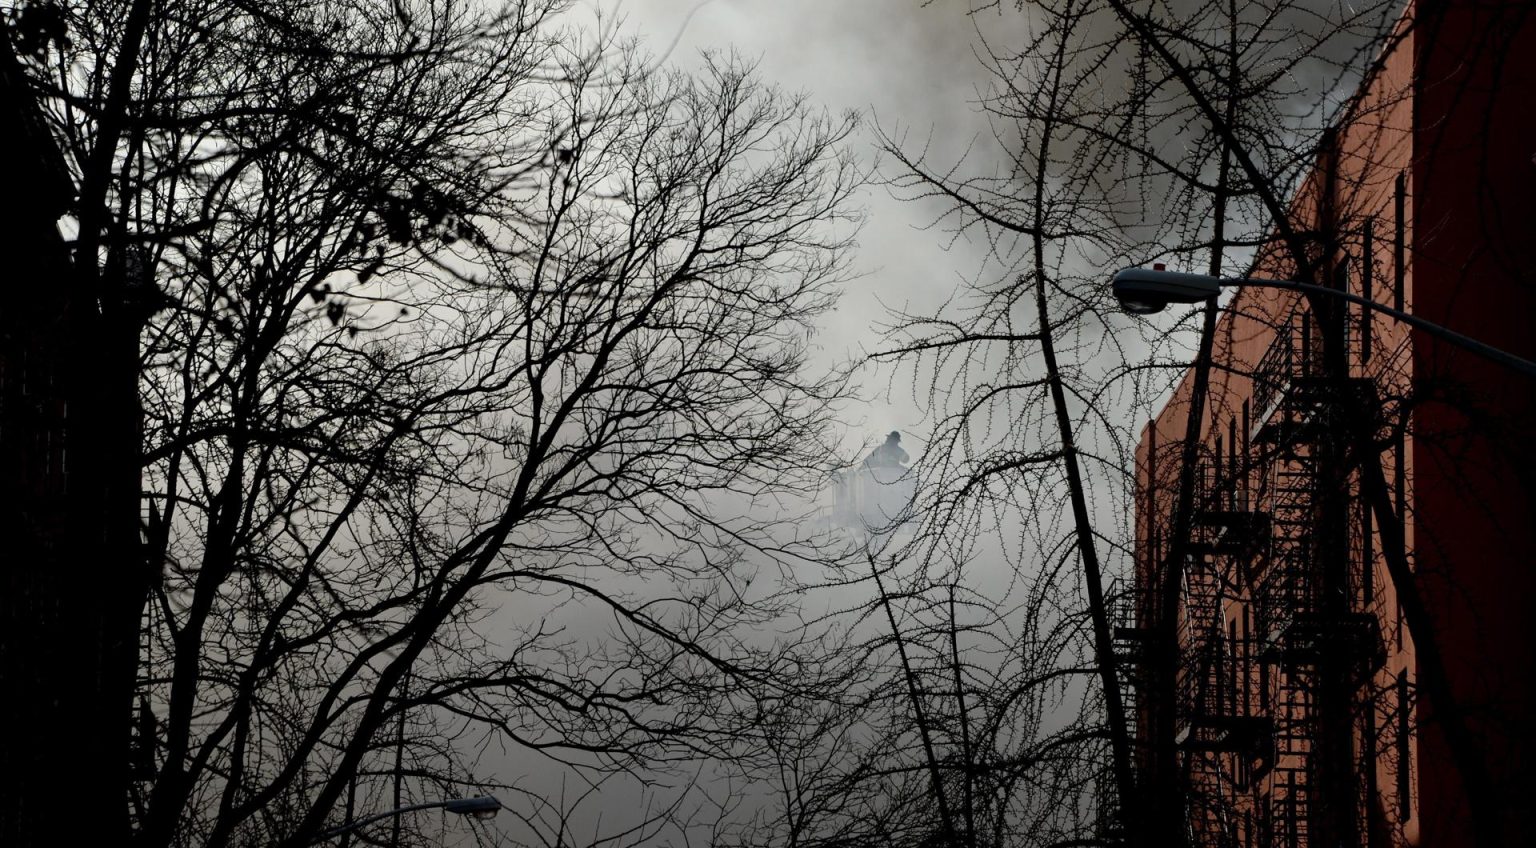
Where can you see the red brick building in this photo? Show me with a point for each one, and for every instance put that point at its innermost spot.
(1348, 606)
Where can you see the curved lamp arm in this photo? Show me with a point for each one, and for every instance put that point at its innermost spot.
(1509, 360)
(1143, 291)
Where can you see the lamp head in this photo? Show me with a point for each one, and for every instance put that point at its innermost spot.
(1142, 304)
(483, 807)
(1143, 291)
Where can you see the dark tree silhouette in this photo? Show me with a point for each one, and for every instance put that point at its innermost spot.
(1130, 132)
(462, 348)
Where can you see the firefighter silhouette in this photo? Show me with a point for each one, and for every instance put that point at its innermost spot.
(888, 455)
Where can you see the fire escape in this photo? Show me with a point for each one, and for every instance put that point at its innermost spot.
(1312, 611)
(1222, 733)
(1276, 631)
(1275, 627)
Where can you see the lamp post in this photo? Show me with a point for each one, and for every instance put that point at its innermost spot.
(482, 807)
(1144, 291)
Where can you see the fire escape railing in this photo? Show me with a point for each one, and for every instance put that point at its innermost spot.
(1294, 353)
(1219, 705)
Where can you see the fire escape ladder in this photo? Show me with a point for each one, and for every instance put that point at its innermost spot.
(1130, 635)
(1290, 809)
(1294, 722)
(1293, 717)
(1216, 710)
(1228, 522)
(1202, 603)
(1224, 736)
(1294, 619)
(1288, 586)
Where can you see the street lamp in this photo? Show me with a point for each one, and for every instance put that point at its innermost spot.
(482, 807)
(1143, 291)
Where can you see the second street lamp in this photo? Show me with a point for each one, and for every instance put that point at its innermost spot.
(482, 807)
(1143, 291)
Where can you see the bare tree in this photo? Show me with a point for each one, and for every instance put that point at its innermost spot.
(467, 355)
(238, 156)
(1111, 116)
(1208, 118)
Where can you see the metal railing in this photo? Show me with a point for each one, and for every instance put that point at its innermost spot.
(1296, 353)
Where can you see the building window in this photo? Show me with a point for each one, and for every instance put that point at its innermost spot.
(1399, 239)
(1367, 286)
(1247, 660)
(1234, 466)
(1232, 666)
(1404, 749)
(1369, 754)
(1400, 471)
(1341, 282)
(1264, 701)
(1367, 558)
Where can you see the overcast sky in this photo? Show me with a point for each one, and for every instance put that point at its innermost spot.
(909, 67)
(901, 63)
